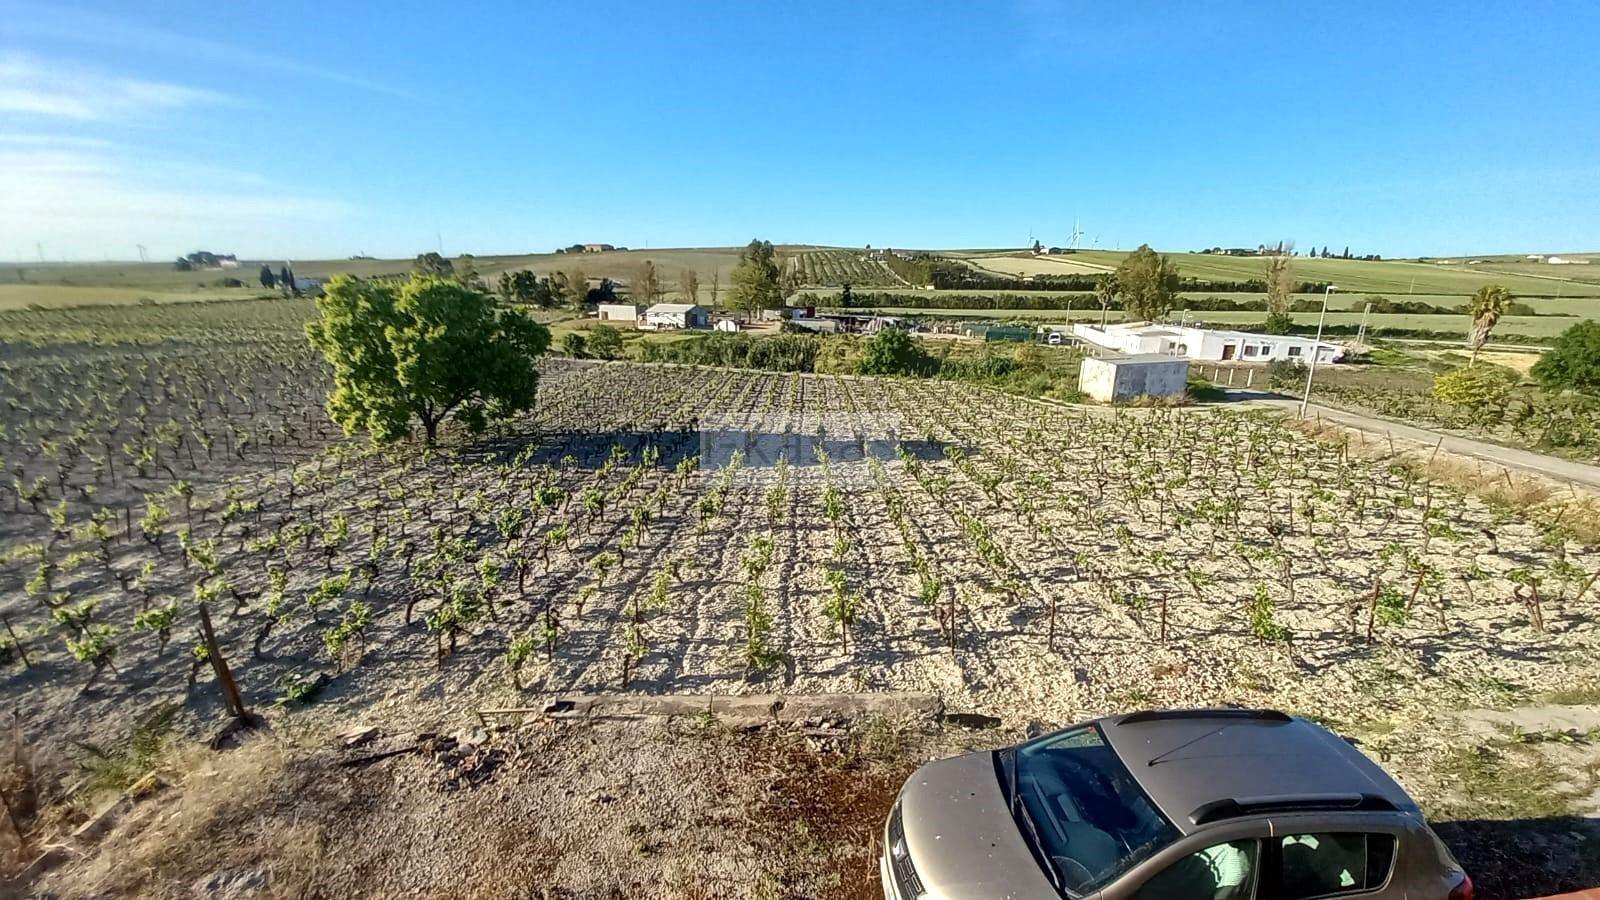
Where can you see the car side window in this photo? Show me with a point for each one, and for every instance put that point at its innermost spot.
(1333, 863)
(1224, 871)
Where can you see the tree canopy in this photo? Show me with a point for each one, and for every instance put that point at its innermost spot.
(605, 342)
(892, 351)
(756, 284)
(1573, 362)
(431, 263)
(1146, 283)
(1486, 307)
(428, 349)
(1280, 284)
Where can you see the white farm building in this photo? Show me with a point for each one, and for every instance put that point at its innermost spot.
(1206, 344)
(1110, 379)
(669, 316)
(618, 312)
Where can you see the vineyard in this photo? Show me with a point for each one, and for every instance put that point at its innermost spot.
(832, 268)
(665, 528)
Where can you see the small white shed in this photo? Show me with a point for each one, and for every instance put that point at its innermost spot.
(668, 316)
(728, 325)
(1110, 379)
(618, 312)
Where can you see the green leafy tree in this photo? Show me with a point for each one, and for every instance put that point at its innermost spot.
(605, 342)
(1487, 305)
(1147, 283)
(1574, 360)
(1106, 293)
(756, 284)
(1280, 284)
(428, 349)
(892, 351)
(575, 345)
(1278, 323)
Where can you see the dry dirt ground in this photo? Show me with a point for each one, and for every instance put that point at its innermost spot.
(694, 809)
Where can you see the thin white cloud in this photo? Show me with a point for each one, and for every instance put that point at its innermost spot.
(31, 87)
(34, 22)
(78, 200)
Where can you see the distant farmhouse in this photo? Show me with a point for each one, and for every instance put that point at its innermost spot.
(205, 259)
(589, 248)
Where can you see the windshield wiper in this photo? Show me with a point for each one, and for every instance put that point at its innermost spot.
(1019, 806)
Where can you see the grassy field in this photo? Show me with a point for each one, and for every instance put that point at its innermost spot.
(1530, 326)
(57, 285)
(1392, 278)
(1030, 265)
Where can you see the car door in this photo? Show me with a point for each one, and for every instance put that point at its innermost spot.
(1311, 857)
(1218, 863)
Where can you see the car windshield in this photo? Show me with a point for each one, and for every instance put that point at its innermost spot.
(1084, 810)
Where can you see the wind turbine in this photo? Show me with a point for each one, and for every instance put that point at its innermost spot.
(1077, 233)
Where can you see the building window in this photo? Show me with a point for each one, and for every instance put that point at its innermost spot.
(1249, 350)
(1295, 351)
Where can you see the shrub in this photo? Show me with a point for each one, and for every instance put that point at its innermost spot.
(1479, 390)
(1573, 362)
(1285, 374)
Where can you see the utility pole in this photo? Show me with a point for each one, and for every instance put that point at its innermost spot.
(1361, 333)
(143, 256)
(1316, 350)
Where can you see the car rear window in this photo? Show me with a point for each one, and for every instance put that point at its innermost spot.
(1329, 864)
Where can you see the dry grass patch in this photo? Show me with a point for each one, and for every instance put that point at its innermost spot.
(235, 812)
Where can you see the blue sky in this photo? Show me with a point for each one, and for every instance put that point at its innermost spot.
(307, 130)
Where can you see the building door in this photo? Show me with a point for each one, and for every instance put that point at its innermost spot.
(1227, 351)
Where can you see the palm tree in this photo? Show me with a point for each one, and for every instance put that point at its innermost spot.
(1486, 308)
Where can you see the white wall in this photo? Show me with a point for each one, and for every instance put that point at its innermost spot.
(1110, 380)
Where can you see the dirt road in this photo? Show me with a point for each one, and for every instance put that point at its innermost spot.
(1510, 457)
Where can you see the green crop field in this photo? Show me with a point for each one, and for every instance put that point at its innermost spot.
(59, 296)
(1392, 278)
(1527, 326)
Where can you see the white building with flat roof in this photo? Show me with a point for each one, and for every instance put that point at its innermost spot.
(669, 316)
(1206, 344)
(1115, 378)
(618, 312)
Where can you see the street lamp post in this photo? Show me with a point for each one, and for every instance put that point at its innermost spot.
(1316, 349)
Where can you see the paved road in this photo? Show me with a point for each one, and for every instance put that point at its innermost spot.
(1551, 466)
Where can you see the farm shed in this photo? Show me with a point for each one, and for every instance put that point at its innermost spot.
(1112, 378)
(1205, 344)
(618, 312)
(725, 325)
(669, 316)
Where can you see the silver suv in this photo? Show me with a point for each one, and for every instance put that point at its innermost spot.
(1201, 804)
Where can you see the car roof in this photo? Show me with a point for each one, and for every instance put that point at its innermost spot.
(1206, 765)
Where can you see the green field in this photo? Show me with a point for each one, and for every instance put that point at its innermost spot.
(1391, 278)
(1529, 326)
(1554, 289)
(56, 285)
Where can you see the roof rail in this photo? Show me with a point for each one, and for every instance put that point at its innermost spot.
(1163, 715)
(1234, 807)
